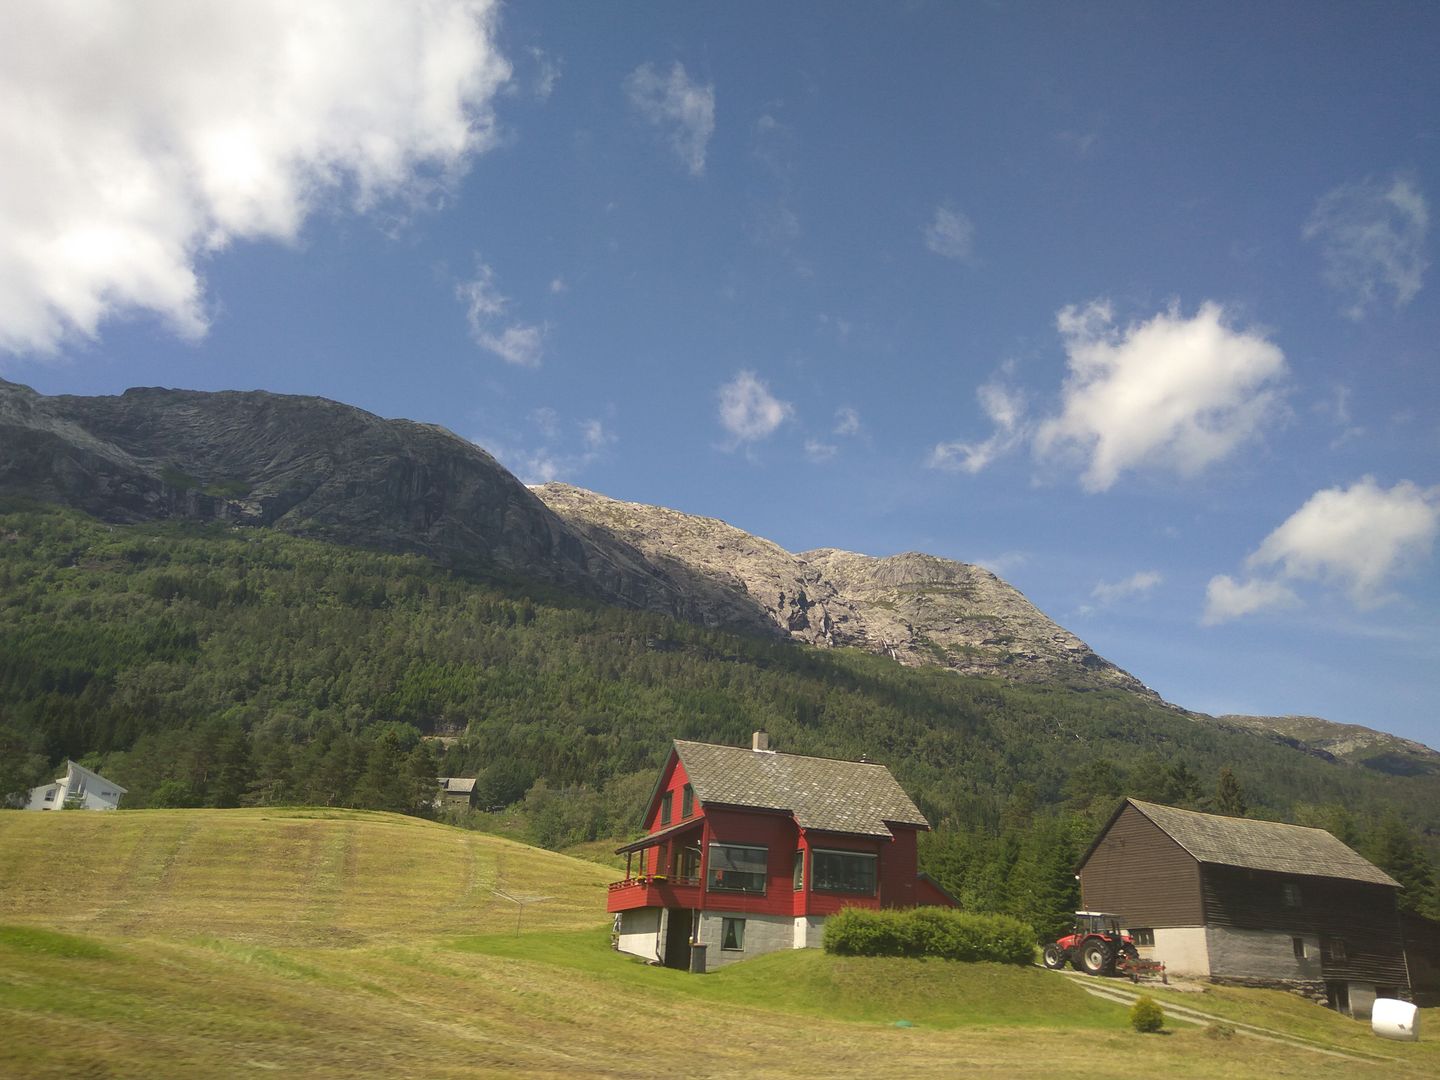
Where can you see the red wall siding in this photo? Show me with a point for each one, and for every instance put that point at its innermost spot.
(899, 870)
(673, 781)
(774, 831)
(828, 903)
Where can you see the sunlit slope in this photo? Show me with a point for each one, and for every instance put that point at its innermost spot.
(282, 877)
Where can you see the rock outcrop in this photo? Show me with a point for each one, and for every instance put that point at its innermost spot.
(918, 609)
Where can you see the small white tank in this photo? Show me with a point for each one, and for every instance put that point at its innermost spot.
(1392, 1019)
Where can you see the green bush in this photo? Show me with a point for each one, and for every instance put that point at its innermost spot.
(1146, 1016)
(930, 931)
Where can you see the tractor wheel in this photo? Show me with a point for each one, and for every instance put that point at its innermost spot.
(1095, 958)
(1054, 956)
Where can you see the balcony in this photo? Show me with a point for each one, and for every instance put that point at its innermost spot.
(655, 890)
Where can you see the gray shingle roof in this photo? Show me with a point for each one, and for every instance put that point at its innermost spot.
(457, 785)
(835, 796)
(1262, 845)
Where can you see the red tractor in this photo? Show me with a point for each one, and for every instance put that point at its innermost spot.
(1095, 945)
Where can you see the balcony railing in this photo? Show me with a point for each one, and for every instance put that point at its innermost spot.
(654, 890)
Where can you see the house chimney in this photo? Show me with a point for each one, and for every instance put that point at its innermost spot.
(759, 742)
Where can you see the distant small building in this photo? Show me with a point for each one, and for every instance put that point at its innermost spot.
(78, 789)
(1257, 903)
(749, 851)
(456, 793)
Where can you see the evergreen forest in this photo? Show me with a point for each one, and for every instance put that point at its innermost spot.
(205, 665)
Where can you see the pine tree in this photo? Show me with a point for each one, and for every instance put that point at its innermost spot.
(1229, 797)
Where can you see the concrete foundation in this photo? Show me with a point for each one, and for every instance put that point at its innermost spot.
(639, 933)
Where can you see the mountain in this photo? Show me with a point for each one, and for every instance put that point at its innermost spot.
(918, 609)
(315, 468)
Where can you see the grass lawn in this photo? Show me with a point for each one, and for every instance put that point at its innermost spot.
(330, 944)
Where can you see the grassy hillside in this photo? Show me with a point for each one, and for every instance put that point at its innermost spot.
(282, 876)
(317, 943)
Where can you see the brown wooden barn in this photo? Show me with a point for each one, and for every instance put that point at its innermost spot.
(1252, 902)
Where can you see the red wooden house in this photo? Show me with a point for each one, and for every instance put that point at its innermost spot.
(748, 851)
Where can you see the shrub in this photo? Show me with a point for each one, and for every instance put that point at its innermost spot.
(1146, 1016)
(943, 933)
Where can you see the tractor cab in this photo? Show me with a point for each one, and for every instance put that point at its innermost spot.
(1098, 922)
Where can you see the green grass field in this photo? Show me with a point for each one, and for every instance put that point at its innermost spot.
(337, 943)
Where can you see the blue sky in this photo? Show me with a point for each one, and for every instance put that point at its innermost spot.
(1133, 303)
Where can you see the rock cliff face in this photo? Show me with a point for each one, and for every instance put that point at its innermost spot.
(916, 608)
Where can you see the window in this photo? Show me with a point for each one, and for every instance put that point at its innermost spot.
(667, 803)
(1298, 944)
(687, 802)
(50, 795)
(687, 865)
(797, 875)
(844, 871)
(732, 935)
(1290, 894)
(1332, 950)
(1143, 937)
(736, 868)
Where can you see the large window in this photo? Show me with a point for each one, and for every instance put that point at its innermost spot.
(737, 868)
(844, 871)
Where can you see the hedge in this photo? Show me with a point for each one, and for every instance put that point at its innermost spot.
(930, 931)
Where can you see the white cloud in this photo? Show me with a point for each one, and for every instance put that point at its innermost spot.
(547, 73)
(683, 110)
(847, 421)
(556, 457)
(819, 452)
(1005, 406)
(521, 344)
(1226, 598)
(546, 421)
(595, 436)
(748, 411)
(1177, 392)
(558, 287)
(1140, 582)
(1372, 239)
(950, 233)
(1358, 538)
(140, 138)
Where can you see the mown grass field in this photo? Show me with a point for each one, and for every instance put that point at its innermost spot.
(336, 943)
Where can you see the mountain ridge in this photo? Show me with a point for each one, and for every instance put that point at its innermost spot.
(319, 468)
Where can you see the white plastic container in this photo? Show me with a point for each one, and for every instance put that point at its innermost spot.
(1392, 1019)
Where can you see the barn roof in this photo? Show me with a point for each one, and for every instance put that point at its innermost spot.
(1260, 845)
(457, 785)
(822, 793)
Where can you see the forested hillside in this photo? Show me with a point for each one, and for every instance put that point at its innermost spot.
(213, 666)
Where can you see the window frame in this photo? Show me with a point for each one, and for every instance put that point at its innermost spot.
(1290, 894)
(1143, 937)
(728, 923)
(797, 871)
(816, 886)
(1297, 946)
(667, 807)
(687, 802)
(710, 871)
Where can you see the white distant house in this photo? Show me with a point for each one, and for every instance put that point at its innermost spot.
(78, 789)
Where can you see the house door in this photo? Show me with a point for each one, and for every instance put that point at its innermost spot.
(677, 939)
